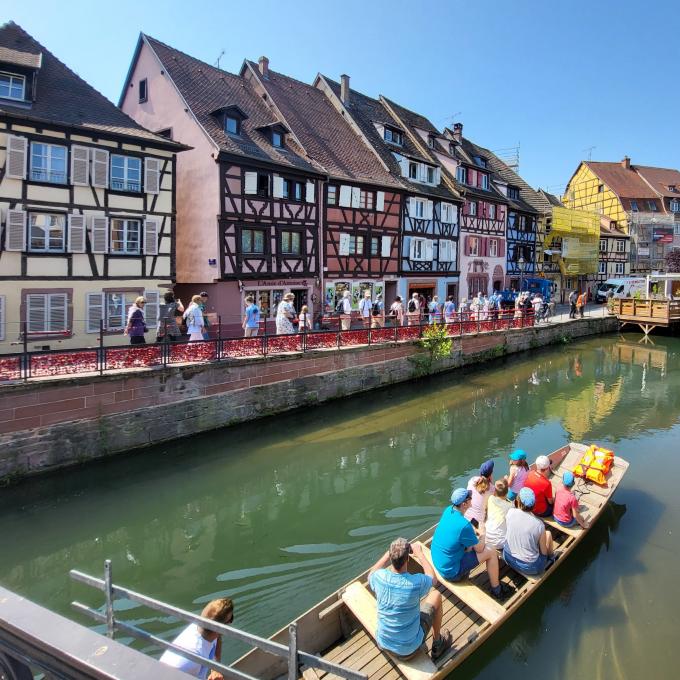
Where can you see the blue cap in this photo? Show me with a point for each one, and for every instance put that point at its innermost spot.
(527, 496)
(486, 468)
(568, 478)
(460, 495)
(518, 454)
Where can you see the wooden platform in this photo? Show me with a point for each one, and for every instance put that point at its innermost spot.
(647, 314)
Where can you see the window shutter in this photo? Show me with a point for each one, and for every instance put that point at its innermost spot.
(467, 246)
(17, 156)
(151, 237)
(95, 311)
(309, 192)
(344, 244)
(429, 250)
(100, 168)
(412, 249)
(345, 196)
(380, 201)
(479, 179)
(36, 313)
(152, 175)
(403, 164)
(2, 317)
(16, 230)
(100, 234)
(466, 208)
(437, 176)
(484, 247)
(356, 197)
(501, 213)
(277, 190)
(151, 309)
(429, 209)
(501, 247)
(411, 207)
(445, 251)
(80, 165)
(386, 246)
(58, 312)
(76, 233)
(250, 183)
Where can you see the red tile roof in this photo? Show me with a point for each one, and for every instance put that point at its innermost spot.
(624, 182)
(660, 179)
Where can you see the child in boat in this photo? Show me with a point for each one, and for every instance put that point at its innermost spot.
(519, 469)
(565, 510)
(482, 488)
(496, 509)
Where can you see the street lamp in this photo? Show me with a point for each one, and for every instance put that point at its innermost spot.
(521, 263)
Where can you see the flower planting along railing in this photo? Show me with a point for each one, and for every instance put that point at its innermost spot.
(102, 359)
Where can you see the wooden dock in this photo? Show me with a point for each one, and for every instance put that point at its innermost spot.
(647, 314)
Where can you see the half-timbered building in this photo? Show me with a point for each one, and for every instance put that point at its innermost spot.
(249, 198)
(614, 252)
(86, 205)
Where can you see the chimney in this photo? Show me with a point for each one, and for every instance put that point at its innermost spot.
(458, 132)
(344, 89)
(264, 66)
(626, 162)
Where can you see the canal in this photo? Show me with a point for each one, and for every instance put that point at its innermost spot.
(279, 513)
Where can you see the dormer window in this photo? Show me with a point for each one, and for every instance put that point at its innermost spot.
(513, 192)
(277, 139)
(461, 174)
(431, 175)
(672, 188)
(393, 136)
(481, 162)
(413, 170)
(430, 141)
(12, 86)
(452, 148)
(232, 125)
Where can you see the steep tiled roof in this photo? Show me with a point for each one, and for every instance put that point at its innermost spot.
(64, 97)
(624, 182)
(31, 58)
(660, 179)
(465, 152)
(207, 89)
(529, 200)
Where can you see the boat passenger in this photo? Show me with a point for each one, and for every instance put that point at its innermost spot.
(528, 544)
(482, 487)
(538, 481)
(496, 510)
(566, 510)
(403, 621)
(456, 549)
(519, 469)
(204, 643)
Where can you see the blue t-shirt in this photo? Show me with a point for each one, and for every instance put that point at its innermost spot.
(398, 597)
(453, 534)
(252, 316)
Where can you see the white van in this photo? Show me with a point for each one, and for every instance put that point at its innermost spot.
(625, 287)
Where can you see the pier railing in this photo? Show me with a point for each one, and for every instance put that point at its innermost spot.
(101, 358)
(294, 656)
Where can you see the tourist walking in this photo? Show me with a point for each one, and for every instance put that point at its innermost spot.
(572, 304)
(304, 320)
(285, 313)
(581, 303)
(435, 310)
(345, 306)
(450, 310)
(251, 319)
(413, 310)
(168, 330)
(136, 327)
(204, 312)
(365, 308)
(397, 311)
(193, 317)
(378, 312)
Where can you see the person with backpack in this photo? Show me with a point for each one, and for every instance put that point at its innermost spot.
(365, 308)
(413, 310)
(435, 310)
(397, 311)
(378, 312)
(449, 310)
(344, 308)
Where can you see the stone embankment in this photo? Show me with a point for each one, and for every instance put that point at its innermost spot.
(50, 424)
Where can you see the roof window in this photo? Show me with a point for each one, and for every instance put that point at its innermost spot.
(13, 86)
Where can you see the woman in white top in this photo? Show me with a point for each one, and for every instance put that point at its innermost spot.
(346, 316)
(497, 507)
(285, 313)
(305, 320)
(194, 319)
(397, 311)
(365, 306)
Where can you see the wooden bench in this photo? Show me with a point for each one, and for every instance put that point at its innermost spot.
(363, 605)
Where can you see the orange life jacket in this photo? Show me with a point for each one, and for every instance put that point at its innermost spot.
(595, 464)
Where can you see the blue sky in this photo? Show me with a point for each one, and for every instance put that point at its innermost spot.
(553, 77)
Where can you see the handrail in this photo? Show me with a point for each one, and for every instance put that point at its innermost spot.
(111, 590)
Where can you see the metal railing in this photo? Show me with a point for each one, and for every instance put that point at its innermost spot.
(294, 656)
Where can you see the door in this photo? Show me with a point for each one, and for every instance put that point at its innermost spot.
(301, 295)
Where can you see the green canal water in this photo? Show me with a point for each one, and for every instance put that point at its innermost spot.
(279, 513)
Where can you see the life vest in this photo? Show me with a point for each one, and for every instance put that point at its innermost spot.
(595, 464)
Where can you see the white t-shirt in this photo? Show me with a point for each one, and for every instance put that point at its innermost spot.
(346, 306)
(495, 526)
(191, 640)
(365, 306)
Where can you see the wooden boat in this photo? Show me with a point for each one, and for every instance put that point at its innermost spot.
(341, 627)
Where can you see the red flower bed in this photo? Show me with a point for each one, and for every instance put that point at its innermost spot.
(134, 356)
(10, 368)
(453, 329)
(382, 335)
(64, 363)
(323, 340)
(408, 332)
(192, 351)
(242, 347)
(278, 344)
(349, 338)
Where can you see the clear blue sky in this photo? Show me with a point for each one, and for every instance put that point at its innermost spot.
(555, 77)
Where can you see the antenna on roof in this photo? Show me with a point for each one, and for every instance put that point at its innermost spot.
(452, 119)
(509, 156)
(589, 149)
(221, 54)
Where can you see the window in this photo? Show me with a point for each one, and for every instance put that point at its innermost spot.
(672, 188)
(126, 173)
(481, 162)
(126, 236)
(447, 212)
(513, 192)
(620, 246)
(252, 242)
(452, 148)
(603, 245)
(12, 86)
(393, 136)
(431, 175)
(356, 245)
(116, 305)
(366, 199)
(263, 185)
(618, 268)
(492, 211)
(46, 313)
(600, 188)
(143, 90)
(375, 246)
(473, 245)
(472, 208)
(277, 139)
(46, 233)
(293, 191)
(430, 141)
(413, 170)
(461, 174)
(634, 206)
(676, 229)
(232, 125)
(332, 194)
(48, 163)
(493, 247)
(291, 243)
(651, 205)
(675, 205)
(601, 267)
(419, 204)
(485, 181)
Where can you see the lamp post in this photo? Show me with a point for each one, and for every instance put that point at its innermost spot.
(521, 263)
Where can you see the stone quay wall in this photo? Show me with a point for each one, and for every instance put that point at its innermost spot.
(53, 423)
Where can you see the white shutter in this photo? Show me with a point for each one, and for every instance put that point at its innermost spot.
(80, 165)
(100, 168)
(16, 230)
(58, 312)
(380, 201)
(309, 192)
(403, 164)
(251, 183)
(386, 246)
(356, 197)
(151, 308)
(76, 233)
(17, 157)
(429, 250)
(429, 209)
(277, 190)
(411, 207)
(99, 236)
(422, 172)
(36, 313)
(345, 196)
(344, 244)
(2, 317)
(152, 175)
(412, 249)
(94, 312)
(151, 237)
(445, 251)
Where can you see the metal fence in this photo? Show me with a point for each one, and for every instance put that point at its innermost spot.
(102, 358)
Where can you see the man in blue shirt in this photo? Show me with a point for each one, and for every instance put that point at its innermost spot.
(403, 623)
(251, 320)
(456, 548)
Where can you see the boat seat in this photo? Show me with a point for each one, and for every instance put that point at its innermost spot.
(570, 531)
(363, 605)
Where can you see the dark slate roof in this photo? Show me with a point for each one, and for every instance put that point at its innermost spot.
(547, 201)
(207, 89)
(465, 152)
(64, 98)
(366, 112)
(31, 58)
